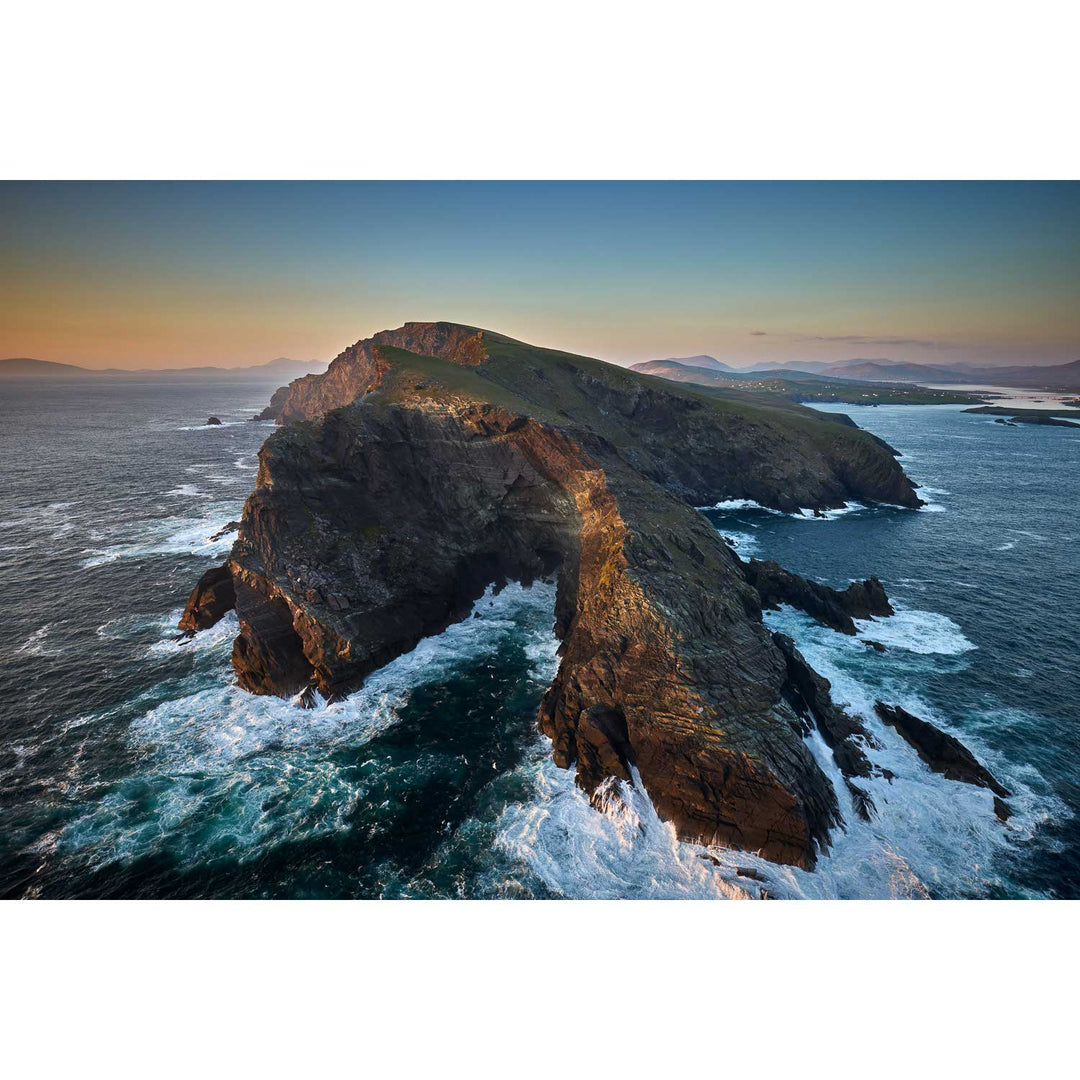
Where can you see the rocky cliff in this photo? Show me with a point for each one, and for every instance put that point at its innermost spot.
(432, 460)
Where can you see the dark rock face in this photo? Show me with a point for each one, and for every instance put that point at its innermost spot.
(478, 459)
(943, 753)
(835, 608)
(211, 599)
(213, 421)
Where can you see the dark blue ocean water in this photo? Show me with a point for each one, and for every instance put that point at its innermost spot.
(130, 765)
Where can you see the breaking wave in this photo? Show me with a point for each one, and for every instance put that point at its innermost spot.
(924, 632)
(227, 773)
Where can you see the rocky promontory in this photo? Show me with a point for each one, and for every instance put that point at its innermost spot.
(433, 460)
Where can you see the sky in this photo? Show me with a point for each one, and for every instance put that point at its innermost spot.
(233, 274)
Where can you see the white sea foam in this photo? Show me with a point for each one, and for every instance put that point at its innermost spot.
(744, 543)
(626, 851)
(173, 643)
(185, 491)
(802, 514)
(925, 632)
(53, 519)
(929, 836)
(829, 515)
(738, 504)
(168, 536)
(35, 644)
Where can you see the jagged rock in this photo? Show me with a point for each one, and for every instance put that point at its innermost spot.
(211, 598)
(810, 695)
(213, 421)
(232, 526)
(832, 607)
(875, 645)
(944, 753)
(864, 805)
(451, 458)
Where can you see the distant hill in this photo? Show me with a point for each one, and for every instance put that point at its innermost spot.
(281, 368)
(1055, 376)
(815, 367)
(1048, 377)
(684, 371)
(24, 367)
(888, 371)
(709, 363)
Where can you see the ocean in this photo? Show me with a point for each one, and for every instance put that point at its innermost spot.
(132, 766)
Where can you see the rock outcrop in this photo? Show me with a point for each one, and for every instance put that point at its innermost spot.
(212, 598)
(833, 607)
(444, 458)
(944, 753)
(1041, 417)
(810, 695)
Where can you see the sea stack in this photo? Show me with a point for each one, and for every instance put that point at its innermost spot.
(436, 459)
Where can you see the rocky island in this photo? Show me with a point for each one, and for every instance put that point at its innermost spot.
(433, 460)
(1043, 417)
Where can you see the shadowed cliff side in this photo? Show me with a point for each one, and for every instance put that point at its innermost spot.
(486, 460)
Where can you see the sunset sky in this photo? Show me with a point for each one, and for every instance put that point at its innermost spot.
(181, 274)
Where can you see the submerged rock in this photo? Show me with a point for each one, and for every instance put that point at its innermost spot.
(444, 458)
(213, 421)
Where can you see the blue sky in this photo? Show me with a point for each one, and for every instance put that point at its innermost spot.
(165, 274)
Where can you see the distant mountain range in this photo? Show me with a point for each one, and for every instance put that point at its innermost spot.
(805, 387)
(281, 368)
(724, 375)
(1047, 377)
(1052, 377)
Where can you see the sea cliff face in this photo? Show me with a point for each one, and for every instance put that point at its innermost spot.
(435, 459)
